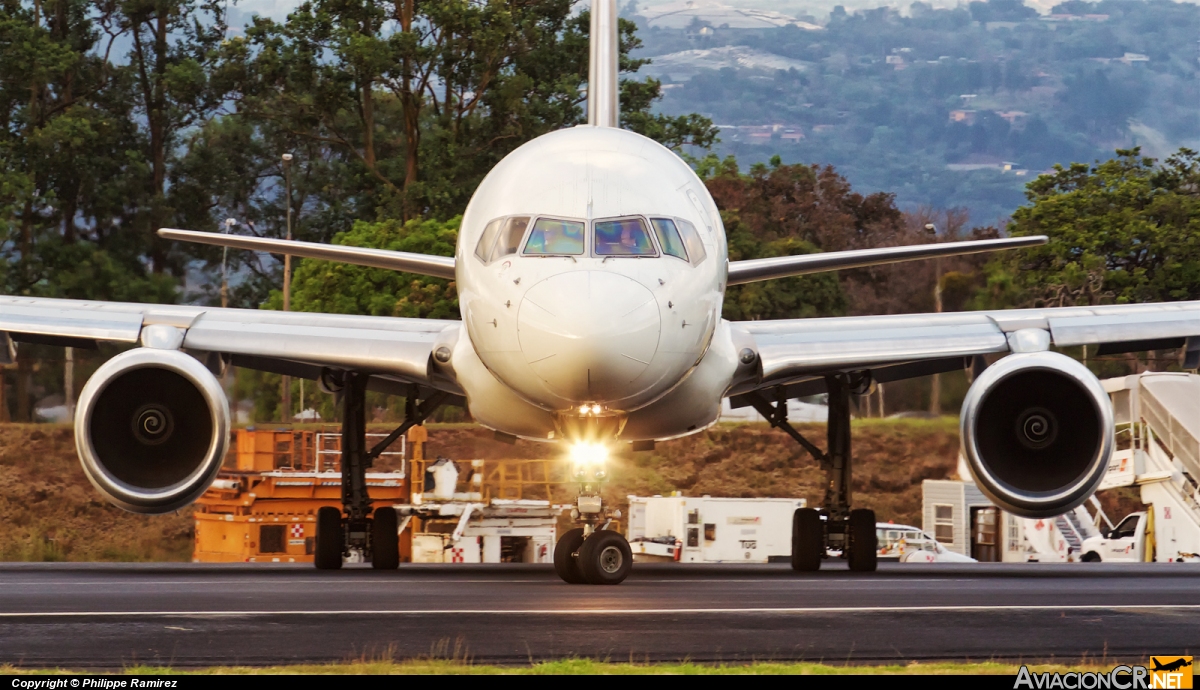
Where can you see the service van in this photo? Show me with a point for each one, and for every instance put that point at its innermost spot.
(908, 544)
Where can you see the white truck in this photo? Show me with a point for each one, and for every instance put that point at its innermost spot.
(908, 544)
(1133, 541)
(692, 529)
(1125, 542)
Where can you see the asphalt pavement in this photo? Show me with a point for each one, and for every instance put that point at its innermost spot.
(114, 615)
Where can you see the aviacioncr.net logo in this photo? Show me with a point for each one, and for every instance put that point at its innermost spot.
(1165, 673)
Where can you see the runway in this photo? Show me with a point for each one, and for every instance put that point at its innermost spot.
(112, 615)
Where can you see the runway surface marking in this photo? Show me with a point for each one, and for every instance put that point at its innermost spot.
(623, 612)
(133, 582)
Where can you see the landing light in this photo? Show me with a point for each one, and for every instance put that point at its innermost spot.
(587, 461)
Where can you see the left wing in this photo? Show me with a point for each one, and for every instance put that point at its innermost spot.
(292, 343)
(752, 270)
(796, 352)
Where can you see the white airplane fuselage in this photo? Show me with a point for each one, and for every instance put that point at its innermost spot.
(636, 342)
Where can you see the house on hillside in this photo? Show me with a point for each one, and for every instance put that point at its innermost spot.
(966, 117)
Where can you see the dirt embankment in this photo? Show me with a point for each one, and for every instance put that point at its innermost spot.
(49, 511)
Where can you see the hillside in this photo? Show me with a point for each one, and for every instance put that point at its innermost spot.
(949, 104)
(49, 511)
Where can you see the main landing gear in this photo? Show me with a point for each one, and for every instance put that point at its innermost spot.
(372, 532)
(835, 527)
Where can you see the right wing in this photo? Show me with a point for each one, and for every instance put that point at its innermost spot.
(291, 343)
(408, 262)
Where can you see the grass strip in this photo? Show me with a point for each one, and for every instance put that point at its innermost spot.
(592, 667)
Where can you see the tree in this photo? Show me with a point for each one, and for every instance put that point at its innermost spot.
(793, 209)
(171, 51)
(416, 101)
(337, 288)
(1121, 231)
(67, 186)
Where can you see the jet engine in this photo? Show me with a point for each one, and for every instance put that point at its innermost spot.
(1037, 433)
(151, 429)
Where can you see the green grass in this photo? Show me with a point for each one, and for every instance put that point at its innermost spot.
(592, 667)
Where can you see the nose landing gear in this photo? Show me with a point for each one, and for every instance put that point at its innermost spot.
(592, 554)
(601, 557)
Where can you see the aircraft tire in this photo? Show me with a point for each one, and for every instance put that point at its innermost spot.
(385, 542)
(808, 540)
(565, 563)
(331, 539)
(605, 558)
(862, 553)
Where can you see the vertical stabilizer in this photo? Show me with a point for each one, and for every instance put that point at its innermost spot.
(603, 102)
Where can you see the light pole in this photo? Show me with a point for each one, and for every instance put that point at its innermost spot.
(229, 223)
(935, 393)
(286, 411)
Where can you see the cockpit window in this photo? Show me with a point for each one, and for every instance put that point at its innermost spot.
(483, 250)
(668, 237)
(691, 238)
(623, 237)
(510, 237)
(501, 237)
(553, 237)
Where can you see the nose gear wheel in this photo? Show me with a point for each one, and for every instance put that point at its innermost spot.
(605, 558)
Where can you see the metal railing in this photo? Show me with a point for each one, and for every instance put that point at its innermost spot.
(329, 451)
(1170, 432)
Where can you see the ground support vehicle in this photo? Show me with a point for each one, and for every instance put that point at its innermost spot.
(908, 544)
(704, 529)
(263, 506)
(497, 531)
(1159, 413)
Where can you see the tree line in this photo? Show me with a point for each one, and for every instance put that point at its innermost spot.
(124, 117)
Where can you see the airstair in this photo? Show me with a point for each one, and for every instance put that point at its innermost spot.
(1158, 425)
(1073, 530)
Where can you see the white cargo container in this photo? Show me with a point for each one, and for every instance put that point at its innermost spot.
(703, 529)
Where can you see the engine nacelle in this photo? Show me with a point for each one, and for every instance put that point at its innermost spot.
(151, 429)
(1037, 433)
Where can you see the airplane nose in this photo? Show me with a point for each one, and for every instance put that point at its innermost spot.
(589, 334)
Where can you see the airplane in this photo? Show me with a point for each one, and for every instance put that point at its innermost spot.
(1171, 666)
(591, 266)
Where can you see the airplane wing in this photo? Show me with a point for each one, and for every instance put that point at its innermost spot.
(395, 350)
(797, 353)
(423, 264)
(753, 270)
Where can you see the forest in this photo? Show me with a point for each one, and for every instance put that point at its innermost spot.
(370, 123)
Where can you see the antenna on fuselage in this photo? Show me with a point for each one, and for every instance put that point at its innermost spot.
(603, 91)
